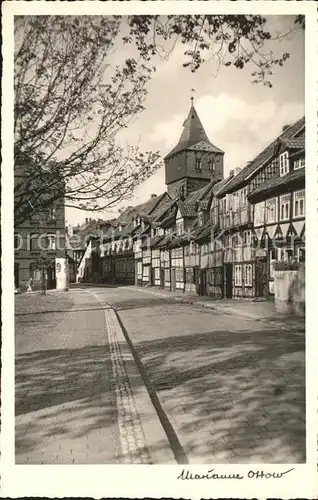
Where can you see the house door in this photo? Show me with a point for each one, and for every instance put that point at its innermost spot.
(162, 278)
(196, 276)
(228, 281)
(261, 278)
(16, 275)
(202, 286)
(152, 276)
(136, 273)
(173, 279)
(51, 279)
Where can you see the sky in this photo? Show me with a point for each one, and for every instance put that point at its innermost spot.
(240, 118)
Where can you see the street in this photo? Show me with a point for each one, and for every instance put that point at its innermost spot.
(227, 389)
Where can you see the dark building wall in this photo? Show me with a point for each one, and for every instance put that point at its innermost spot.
(181, 171)
(188, 184)
(176, 167)
(205, 157)
(40, 224)
(175, 187)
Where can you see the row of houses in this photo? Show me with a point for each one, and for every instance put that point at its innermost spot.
(213, 235)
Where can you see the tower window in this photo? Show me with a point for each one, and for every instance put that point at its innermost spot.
(198, 164)
(211, 165)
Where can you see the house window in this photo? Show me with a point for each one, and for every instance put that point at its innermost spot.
(282, 254)
(247, 237)
(33, 242)
(285, 207)
(299, 163)
(51, 238)
(284, 164)
(259, 209)
(180, 227)
(299, 203)
(238, 275)
(271, 210)
(272, 260)
(301, 254)
(243, 197)
(248, 274)
(52, 214)
(198, 164)
(17, 241)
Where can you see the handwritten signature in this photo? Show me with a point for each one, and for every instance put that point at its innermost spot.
(252, 474)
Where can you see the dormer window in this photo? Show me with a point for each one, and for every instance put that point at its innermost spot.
(198, 164)
(200, 219)
(284, 164)
(299, 163)
(120, 228)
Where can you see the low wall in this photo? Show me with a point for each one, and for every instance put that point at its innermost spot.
(289, 289)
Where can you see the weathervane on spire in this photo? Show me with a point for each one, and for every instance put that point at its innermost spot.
(192, 96)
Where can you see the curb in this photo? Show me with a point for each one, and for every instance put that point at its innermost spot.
(209, 305)
(155, 440)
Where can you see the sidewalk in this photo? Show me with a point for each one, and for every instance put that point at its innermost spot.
(79, 396)
(259, 310)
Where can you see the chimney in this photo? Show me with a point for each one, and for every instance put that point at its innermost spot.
(231, 173)
(285, 127)
(86, 220)
(153, 196)
(237, 170)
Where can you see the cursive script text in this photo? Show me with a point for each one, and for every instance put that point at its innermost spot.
(210, 474)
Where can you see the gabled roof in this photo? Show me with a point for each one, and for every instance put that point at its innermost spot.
(187, 209)
(193, 136)
(167, 209)
(294, 143)
(143, 209)
(148, 206)
(251, 168)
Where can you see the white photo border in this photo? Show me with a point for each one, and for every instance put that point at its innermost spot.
(139, 481)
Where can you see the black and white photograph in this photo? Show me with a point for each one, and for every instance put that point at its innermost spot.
(160, 217)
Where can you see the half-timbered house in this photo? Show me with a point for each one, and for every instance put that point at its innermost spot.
(279, 206)
(245, 259)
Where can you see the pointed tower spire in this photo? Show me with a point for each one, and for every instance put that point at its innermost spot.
(194, 161)
(193, 131)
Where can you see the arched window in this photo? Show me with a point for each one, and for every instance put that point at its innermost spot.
(211, 165)
(198, 164)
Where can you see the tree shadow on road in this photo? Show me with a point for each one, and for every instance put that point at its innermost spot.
(236, 396)
(62, 395)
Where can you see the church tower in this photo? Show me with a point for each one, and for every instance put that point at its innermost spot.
(194, 161)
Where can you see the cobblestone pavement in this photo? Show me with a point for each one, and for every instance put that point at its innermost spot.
(74, 400)
(232, 388)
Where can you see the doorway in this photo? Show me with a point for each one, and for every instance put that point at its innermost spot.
(261, 278)
(228, 281)
(162, 278)
(16, 275)
(173, 279)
